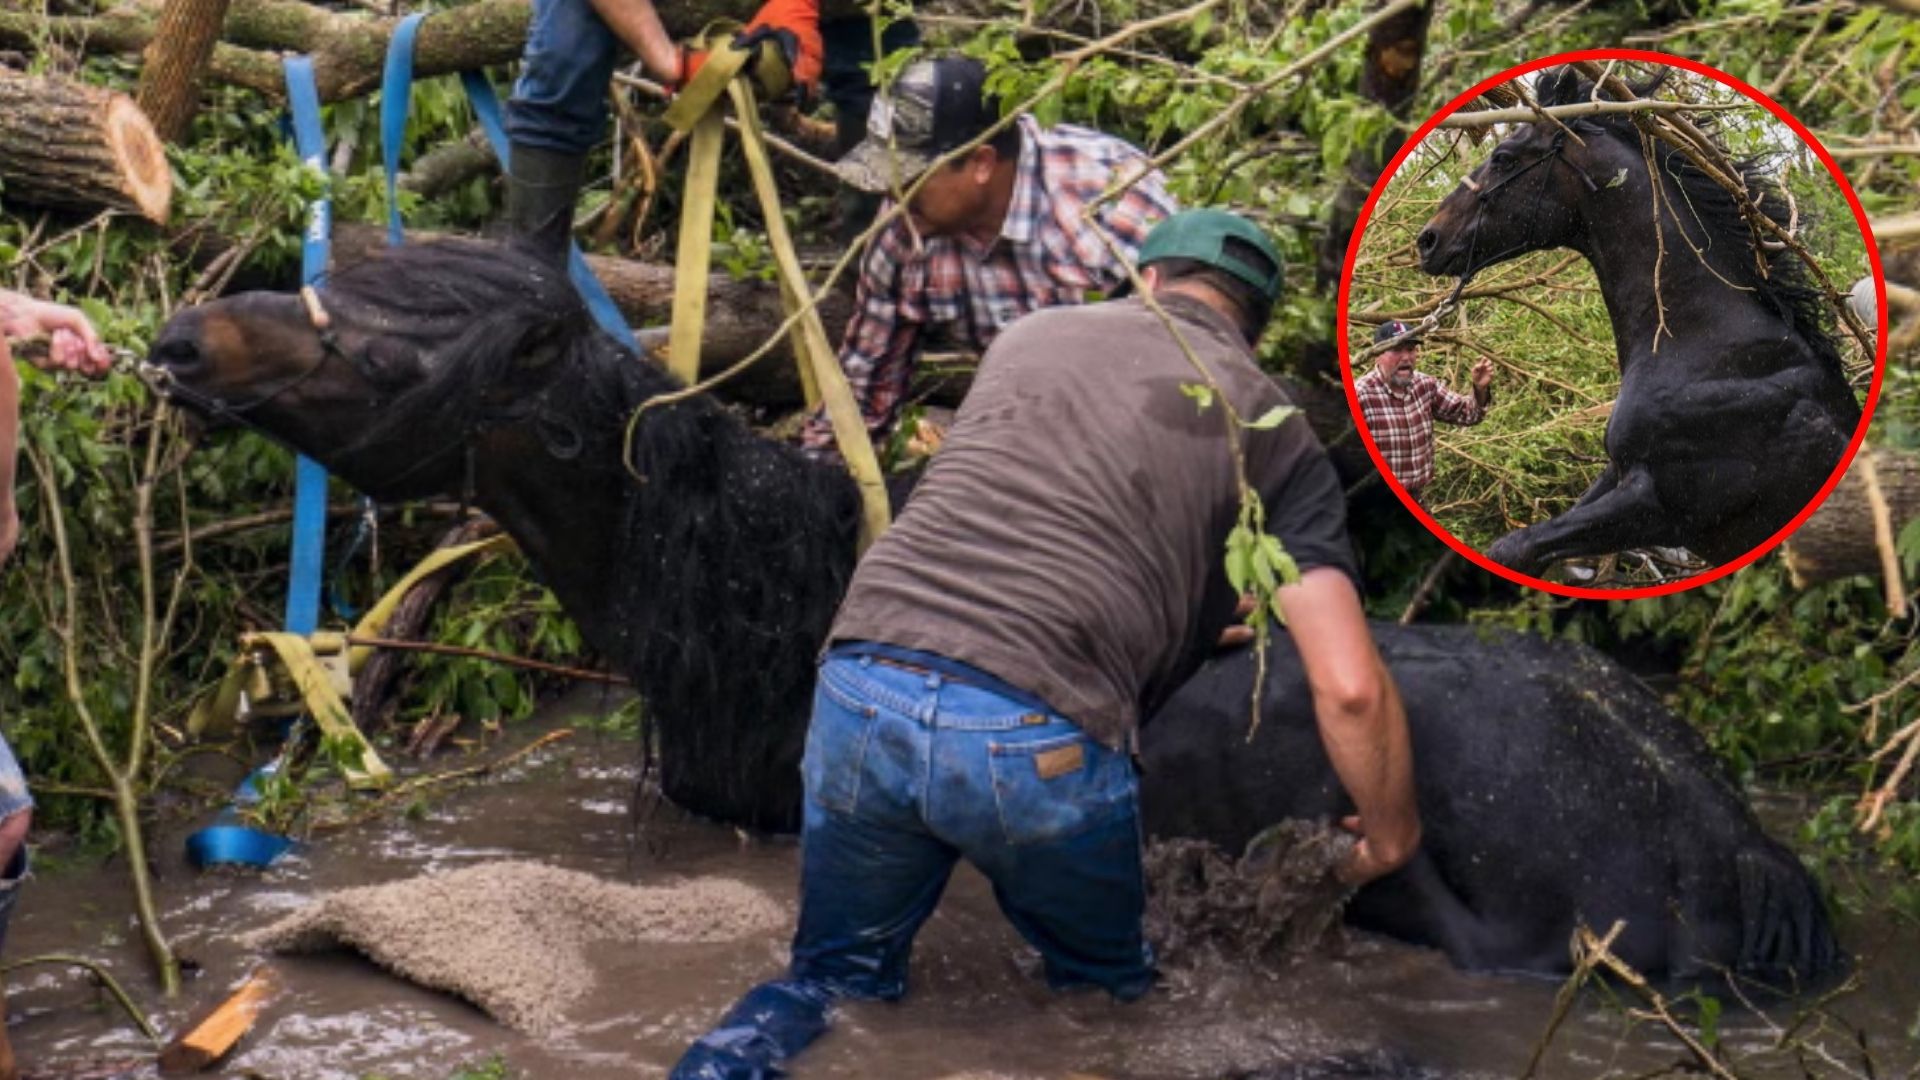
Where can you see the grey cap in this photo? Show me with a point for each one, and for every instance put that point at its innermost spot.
(935, 105)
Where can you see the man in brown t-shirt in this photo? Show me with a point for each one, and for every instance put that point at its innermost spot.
(1057, 575)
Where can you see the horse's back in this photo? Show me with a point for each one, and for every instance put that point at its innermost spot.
(1554, 789)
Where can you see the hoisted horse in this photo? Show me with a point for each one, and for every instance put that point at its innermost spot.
(706, 562)
(1734, 407)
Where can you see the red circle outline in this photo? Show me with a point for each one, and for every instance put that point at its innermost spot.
(1833, 170)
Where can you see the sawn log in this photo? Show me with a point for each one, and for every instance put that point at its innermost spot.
(67, 145)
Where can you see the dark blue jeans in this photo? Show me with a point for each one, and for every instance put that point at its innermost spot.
(907, 772)
(560, 100)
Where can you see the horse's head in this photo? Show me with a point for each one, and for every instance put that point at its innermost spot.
(1535, 190)
(388, 370)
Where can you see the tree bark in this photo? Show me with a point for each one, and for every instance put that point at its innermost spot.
(68, 145)
(445, 167)
(1838, 540)
(176, 60)
(1389, 77)
(374, 687)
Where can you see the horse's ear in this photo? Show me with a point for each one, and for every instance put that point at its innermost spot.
(1557, 86)
(542, 345)
(1652, 82)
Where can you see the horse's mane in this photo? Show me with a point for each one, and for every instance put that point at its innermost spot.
(1788, 288)
(735, 550)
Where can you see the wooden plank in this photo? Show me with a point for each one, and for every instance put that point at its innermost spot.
(209, 1037)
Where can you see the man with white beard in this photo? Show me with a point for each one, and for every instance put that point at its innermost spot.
(1400, 405)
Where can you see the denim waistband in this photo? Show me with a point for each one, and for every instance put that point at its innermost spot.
(955, 670)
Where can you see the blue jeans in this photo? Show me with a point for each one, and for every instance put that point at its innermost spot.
(905, 773)
(560, 100)
(14, 798)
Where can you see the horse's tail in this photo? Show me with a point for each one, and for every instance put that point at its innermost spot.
(1785, 934)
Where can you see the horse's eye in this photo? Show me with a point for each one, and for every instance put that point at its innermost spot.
(1502, 159)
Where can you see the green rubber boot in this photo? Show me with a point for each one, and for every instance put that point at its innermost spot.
(542, 186)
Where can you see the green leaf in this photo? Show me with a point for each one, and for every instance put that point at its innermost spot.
(1273, 418)
(1239, 558)
(1710, 1021)
(1202, 395)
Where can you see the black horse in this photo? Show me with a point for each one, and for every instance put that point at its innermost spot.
(1734, 408)
(707, 563)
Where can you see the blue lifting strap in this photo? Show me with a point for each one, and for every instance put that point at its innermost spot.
(396, 92)
(227, 840)
(310, 479)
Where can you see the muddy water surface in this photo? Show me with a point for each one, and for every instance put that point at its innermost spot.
(977, 1007)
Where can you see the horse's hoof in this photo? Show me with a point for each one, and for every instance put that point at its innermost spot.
(1510, 551)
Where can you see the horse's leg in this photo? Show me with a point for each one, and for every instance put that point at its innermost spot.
(1627, 514)
(1609, 479)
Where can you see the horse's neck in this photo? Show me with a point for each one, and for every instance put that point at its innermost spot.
(1668, 288)
(565, 518)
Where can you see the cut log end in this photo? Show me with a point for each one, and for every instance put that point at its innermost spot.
(142, 158)
(71, 146)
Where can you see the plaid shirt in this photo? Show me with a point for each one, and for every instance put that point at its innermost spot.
(1044, 256)
(1401, 423)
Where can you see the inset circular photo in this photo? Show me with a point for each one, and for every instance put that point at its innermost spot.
(1597, 324)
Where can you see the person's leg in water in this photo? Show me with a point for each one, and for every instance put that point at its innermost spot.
(16, 817)
(870, 874)
(556, 115)
(1059, 837)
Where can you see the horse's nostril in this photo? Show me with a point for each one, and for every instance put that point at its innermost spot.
(1426, 240)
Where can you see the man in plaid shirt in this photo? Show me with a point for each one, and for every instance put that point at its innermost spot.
(1400, 405)
(987, 238)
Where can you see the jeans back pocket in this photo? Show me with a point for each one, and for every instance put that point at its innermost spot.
(1054, 788)
(836, 747)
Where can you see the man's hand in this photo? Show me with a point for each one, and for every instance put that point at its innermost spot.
(1482, 374)
(73, 344)
(1364, 863)
(794, 27)
(1238, 633)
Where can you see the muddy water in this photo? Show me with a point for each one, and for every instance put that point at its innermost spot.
(977, 1008)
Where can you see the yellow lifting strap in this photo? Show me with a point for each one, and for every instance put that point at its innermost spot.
(324, 699)
(697, 109)
(319, 670)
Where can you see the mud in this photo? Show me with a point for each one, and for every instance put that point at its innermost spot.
(1279, 900)
(977, 1007)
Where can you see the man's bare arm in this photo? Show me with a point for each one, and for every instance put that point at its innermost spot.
(1361, 720)
(637, 23)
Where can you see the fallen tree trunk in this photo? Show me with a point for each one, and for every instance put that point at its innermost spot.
(445, 167)
(1840, 539)
(176, 61)
(68, 145)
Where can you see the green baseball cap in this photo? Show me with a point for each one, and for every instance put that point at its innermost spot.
(1202, 235)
